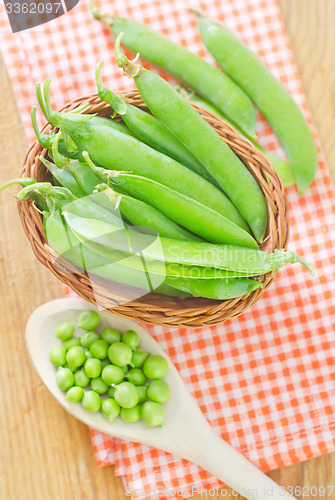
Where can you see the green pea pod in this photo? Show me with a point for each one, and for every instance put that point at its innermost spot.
(64, 177)
(23, 182)
(100, 205)
(282, 168)
(204, 78)
(209, 283)
(185, 211)
(229, 257)
(115, 150)
(143, 215)
(223, 289)
(45, 140)
(150, 130)
(136, 211)
(94, 206)
(269, 95)
(169, 269)
(202, 140)
(27, 182)
(65, 243)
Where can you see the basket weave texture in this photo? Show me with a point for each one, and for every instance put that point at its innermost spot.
(154, 308)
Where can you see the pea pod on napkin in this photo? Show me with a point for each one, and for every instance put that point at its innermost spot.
(273, 100)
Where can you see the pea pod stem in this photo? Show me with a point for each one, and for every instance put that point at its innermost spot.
(23, 182)
(40, 99)
(54, 117)
(45, 140)
(205, 144)
(269, 95)
(116, 102)
(204, 78)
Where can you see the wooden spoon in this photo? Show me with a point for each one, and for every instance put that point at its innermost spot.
(185, 432)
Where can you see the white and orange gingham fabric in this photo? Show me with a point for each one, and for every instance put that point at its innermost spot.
(266, 380)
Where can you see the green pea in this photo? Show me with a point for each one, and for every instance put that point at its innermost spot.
(88, 338)
(110, 409)
(105, 362)
(119, 354)
(155, 367)
(110, 335)
(72, 368)
(64, 379)
(88, 320)
(72, 342)
(124, 369)
(126, 395)
(57, 355)
(75, 394)
(91, 401)
(81, 379)
(131, 414)
(93, 368)
(152, 414)
(158, 391)
(65, 330)
(111, 392)
(142, 393)
(99, 349)
(131, 338)
(88, 355)
(136, 376)
(76, 356)
(112, 375)
(98, 385)
(138, 357)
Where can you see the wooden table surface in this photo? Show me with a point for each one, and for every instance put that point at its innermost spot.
(45, 454)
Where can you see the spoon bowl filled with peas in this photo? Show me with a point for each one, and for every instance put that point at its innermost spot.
(108, 372)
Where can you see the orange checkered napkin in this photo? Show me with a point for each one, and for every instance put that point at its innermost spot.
(266, 380)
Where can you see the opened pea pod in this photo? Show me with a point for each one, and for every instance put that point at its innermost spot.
(202, 140)
(113, 149)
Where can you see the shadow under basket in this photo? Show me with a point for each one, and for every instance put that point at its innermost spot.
(153, 308)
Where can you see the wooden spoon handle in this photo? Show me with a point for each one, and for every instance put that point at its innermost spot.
(228, 465)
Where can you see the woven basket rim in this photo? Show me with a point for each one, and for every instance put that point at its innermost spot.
(152, 308)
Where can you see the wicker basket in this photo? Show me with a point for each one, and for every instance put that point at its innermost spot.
(154, 308)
